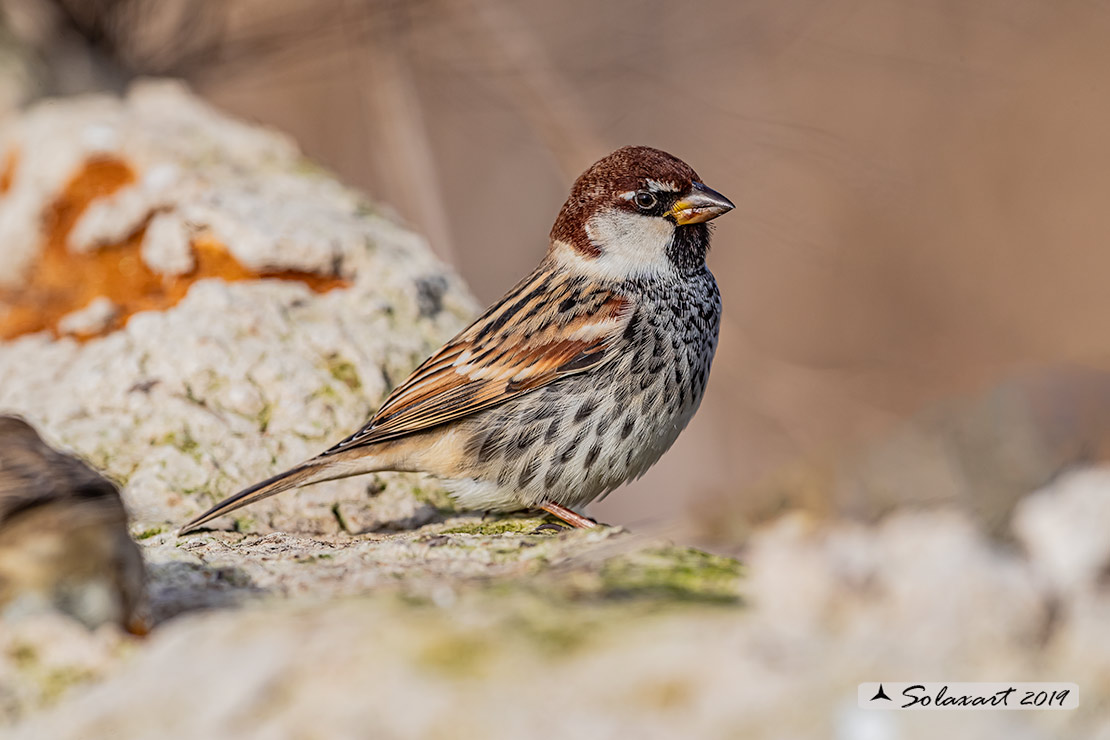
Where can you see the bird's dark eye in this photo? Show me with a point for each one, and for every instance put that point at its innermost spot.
(645, 201)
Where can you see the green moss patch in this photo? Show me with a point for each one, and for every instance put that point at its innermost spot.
(494, 527)
(674, 573)
(457, 655)
(345, 372)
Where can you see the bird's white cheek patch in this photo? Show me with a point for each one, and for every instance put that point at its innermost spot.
(630, 244)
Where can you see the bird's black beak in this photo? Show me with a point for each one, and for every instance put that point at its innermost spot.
(700, 204)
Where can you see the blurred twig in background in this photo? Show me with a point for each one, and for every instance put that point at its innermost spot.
(537, 90)
(113, 41)
(391, 106)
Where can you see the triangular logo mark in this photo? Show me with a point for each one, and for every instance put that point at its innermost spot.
(880, 694)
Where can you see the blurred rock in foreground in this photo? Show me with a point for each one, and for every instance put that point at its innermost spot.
(63, 537)
(470, 629)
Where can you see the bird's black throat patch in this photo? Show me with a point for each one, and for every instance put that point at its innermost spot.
(689, 247)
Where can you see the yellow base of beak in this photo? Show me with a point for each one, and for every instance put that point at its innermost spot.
(700, 204)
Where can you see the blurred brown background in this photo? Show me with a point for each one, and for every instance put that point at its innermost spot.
(921, 187)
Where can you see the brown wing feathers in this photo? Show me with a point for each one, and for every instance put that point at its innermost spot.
(526, 341)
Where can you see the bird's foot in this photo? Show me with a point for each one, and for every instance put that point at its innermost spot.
(550, 527)
(573, 518)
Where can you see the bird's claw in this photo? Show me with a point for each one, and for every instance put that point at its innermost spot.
(550, 527)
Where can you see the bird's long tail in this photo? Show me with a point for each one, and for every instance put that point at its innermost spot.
(302, 475)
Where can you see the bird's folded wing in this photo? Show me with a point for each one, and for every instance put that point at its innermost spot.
(536, 335)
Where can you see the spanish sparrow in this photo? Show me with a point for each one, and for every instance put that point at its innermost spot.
(63, 536)
(576, 381)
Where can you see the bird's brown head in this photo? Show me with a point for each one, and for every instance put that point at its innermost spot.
(638, 210)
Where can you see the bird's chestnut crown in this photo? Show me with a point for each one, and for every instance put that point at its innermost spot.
(639, 210)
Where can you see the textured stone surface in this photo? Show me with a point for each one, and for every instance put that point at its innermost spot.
(184, 405)
(471, 628)
(43, 658)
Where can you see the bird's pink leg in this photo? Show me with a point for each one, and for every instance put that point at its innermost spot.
(568, 516)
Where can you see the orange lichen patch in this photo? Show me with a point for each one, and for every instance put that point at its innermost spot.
(213, 260)
(7, 170)
(61, 282)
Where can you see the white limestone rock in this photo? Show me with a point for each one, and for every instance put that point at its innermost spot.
(186, 405)
(92, 319)
(1065, 527)
(43, 657)
(826, 606)
(166, 245)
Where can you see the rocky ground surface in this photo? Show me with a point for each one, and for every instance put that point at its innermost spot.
(240, 310)
(485, 628)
